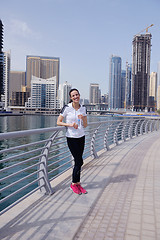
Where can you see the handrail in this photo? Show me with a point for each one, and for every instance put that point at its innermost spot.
(33, 164)
(25, 133)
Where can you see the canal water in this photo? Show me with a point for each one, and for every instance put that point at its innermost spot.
(25, 122)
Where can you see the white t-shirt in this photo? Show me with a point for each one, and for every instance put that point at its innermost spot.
(71, 116)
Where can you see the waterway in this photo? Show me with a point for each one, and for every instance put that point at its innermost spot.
(25, 122)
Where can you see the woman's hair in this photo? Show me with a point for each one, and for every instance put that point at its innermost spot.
(73, 89)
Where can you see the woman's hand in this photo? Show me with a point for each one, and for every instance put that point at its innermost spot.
(80, 116)
(84, 119)
(74, 125)
(61, 123)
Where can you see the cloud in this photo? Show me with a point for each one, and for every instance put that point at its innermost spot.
(21, 28)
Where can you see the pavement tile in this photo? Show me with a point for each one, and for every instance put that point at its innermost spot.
(144, 237)
(132, 237)
(148, 226)
(148, 233)
(148, 219)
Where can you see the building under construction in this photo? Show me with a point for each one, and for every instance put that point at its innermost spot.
(141, 71)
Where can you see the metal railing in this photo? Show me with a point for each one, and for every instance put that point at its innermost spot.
(31, 159)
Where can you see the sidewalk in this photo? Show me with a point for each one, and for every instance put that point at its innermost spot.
(123, 200)
(129, 207)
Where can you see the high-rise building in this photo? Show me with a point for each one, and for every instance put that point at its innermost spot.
(19, 98)
(115, 82)
(123, 88)
(94, 96)
(1, 60)
(104, 98)
(64, 93)
(158, 86)
(158, 98)
(17, 90)
(6, 77)
(158, 74)
(128, 85)
(153, 85)
(43, 93)
(141, 70)
(42, 67)
(17, 82)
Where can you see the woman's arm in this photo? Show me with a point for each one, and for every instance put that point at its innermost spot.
(61, 123)
(84, 119)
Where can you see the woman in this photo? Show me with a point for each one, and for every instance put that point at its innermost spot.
(76, 121)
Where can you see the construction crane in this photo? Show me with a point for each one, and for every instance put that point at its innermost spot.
(146, 29)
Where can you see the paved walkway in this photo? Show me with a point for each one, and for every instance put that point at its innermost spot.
(123, 200)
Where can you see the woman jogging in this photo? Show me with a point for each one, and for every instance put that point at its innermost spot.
(76, 121)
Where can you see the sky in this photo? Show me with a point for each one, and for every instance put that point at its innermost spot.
(83, 34)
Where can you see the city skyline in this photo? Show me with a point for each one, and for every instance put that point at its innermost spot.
(82, 34)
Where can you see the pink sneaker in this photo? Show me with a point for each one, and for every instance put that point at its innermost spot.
(75, 189)
(82, 190)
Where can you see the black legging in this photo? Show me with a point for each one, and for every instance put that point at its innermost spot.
(76, 147)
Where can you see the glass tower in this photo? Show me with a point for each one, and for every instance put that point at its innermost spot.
(115, 82)
(128, 85)
(123, 86)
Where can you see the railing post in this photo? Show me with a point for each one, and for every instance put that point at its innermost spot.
(115, 134)
(106, 145)
(136, 128)
(150, 127)
(44, 182)
(154, 124)
(123, 132)
(146, 127)
(130, 130)
(141, 126)
(93, 151)
(157, 126)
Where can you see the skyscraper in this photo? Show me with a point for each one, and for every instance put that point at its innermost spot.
(42, 67)
(158, 98)
(6, 76)
(158, 74)
(43, 93)
(153, 91)
(17, 90)
(64, 93)
(94, 96)
(1, 59)
(128, 85)
(141, 70)
(123, 87)
(17, 81)
(115, 82)
(158, 87)
(153, 85)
